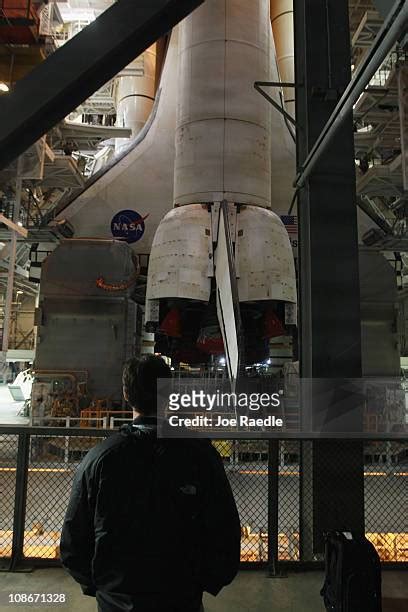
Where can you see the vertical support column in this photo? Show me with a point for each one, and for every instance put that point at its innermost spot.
(12, 265)
(403, 112)
(306, 500)
(20, 500)
(66, 442)
(329, 273)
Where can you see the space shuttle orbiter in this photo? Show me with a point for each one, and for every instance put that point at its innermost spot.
(221, 269)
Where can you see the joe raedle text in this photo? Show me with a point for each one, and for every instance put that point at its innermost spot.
(223, 421)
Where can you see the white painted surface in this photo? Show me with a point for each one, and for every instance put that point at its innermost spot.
(10, 411)
(225, 303)
(179, 257)
(180, 263)
(223, 124)
(264, 257)
(134, 92)
(283, 33)
(21, 354)
(283, 150)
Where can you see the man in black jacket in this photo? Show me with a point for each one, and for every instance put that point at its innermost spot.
(151, 523)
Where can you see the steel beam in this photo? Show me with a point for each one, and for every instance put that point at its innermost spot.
(13, 226)
(5, 265)
(79, 68)
(329, 275)
(258, 86)
(394, 26)
(364, 205)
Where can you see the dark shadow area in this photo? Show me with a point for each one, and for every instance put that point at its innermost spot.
(392, 604)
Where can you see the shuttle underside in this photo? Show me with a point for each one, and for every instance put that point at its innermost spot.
(182, 308)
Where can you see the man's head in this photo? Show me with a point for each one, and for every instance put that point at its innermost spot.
(139, 380)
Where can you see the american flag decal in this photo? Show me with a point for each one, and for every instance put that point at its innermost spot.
(290, 222)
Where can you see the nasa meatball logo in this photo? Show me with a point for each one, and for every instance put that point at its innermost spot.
(128, 225)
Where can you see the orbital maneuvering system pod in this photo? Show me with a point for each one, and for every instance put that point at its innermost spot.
(221, 266)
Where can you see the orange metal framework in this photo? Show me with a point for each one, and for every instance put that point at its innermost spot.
(19, 22)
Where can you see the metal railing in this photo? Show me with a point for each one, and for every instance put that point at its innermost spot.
(382, 75)
(85, 422)
(269, 482)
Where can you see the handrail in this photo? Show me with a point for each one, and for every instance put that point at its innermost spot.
(281, 435)
(54, 431)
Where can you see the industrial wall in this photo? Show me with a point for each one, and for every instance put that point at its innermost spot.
(81, 325)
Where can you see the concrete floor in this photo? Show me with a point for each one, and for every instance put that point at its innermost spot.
(251, 591)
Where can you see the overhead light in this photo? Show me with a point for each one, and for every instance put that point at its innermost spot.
(4, 87)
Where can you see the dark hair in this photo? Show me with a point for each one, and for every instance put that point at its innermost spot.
(139, 379)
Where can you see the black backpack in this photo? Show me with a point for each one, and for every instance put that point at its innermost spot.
(353, 574)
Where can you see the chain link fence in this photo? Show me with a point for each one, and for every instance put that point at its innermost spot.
(8, 462)
(247, 470)
(52, 464)
(386, 498)
(272, 482)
